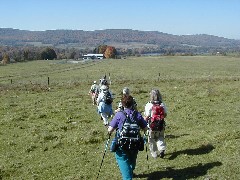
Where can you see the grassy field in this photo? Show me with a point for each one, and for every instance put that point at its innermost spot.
(50, 130)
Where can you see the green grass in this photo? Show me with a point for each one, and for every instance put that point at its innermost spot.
(53, 131)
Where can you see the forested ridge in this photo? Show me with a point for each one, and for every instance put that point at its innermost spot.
(28, 45)
(13, 37)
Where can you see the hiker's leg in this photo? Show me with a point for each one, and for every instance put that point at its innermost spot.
(161, 144)
(93, 99)
(124, 165)
(105, 118)
(152, 144)
(133, 159)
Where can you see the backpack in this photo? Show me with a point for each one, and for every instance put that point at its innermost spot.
(94, 89)
(157, 120)
(108, 98)
(129, 137)
(103, 82)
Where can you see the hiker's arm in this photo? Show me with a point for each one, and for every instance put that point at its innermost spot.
(110, 129)
(147, 111)
(99, 99)
(146, 118)
(89, 92)
(145, 129)
(143, 124)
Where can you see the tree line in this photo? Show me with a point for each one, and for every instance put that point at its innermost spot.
(30, 53)
(22, 45)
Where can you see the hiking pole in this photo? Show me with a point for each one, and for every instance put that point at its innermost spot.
(146, 149)
(106, 146)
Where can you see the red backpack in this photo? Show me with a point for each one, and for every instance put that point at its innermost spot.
(157, 119)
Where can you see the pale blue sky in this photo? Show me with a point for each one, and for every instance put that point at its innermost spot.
(178, 17)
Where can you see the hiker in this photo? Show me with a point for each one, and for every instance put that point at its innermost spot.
(104, 103)
(155, 112)
(103, 81)
(94, 90)
(125, 91)
(126, 151)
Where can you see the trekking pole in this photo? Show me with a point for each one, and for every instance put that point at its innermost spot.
(147, 148)
(106, 146)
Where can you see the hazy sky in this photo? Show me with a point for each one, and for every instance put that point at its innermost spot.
(178, 17)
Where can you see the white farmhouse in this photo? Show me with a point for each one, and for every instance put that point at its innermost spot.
(93, 56)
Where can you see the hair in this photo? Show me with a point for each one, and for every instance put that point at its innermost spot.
(126, 91)
(127, 101)
(155, 95)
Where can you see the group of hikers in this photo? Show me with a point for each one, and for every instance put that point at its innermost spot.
(127, 122)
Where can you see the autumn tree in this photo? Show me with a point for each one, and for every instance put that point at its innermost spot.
(107, 51)
(102, 49)
(110, 52)
(6, 59)
(48, 53)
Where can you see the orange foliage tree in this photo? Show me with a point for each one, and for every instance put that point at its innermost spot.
(6, 59)
(107, 51)
(110, 52)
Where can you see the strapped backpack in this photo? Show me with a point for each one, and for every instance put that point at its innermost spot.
(129, 137)
(103, 82)
(156, 121)
(108, 98)
(94, 89)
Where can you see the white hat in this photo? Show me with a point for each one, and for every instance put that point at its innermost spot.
(94, 82)
(126, 90)
(104, 87)
(120, 104)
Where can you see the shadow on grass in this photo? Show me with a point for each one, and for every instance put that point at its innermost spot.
(204, 149)
(181, 174)
(169, 136)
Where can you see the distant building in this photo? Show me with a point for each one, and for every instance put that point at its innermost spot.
(93, 56)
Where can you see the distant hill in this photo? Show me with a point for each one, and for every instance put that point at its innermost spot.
(119, 38)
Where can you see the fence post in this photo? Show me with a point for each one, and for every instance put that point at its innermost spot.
(48, 81)
(109, 79)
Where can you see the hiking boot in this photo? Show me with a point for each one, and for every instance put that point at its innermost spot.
(162, 153)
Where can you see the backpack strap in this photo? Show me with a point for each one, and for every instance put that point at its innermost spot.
(126, 117)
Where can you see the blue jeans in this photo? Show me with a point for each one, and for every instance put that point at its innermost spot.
(126, 162)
